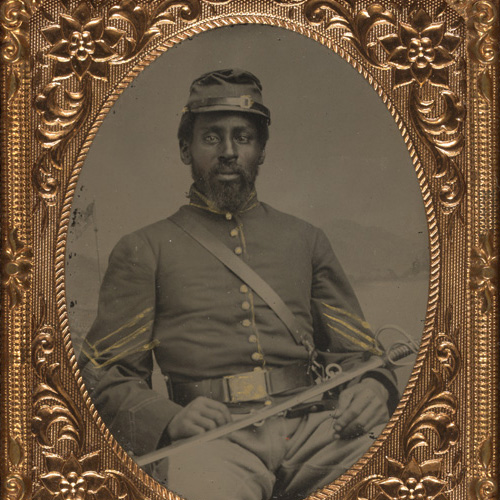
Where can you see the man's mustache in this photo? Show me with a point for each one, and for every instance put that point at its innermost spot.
(226, 169)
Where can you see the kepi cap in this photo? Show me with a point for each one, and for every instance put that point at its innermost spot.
(227, 90)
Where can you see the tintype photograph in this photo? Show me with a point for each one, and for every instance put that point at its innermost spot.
(249, 249)
(258, 143)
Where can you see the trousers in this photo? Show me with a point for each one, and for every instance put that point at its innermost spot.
(282, 458)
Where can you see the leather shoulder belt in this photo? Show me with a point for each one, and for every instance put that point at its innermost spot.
(210, 242)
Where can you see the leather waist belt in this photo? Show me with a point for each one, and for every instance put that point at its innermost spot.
(247, 386)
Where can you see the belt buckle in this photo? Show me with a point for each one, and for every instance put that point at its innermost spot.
(248, 386)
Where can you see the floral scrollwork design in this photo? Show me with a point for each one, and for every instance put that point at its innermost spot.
(421, 51)
(485, 487)
(14, 17)
(43, 342)
(484, 271)
(14, 39)
(435, 413)
(413, 480)
(81, 44)
(17, 263)
(144, 26)
(54, 408)
(448, 123)
(58, 127)
(16, 487)
(357, 27)
(82, 47)
(482, 17)
(420, 54)
(482, 22)
(68, 474)
(447, 350)
(75, 478)
(72, 479)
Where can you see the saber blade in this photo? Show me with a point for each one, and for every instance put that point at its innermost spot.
(339, 379)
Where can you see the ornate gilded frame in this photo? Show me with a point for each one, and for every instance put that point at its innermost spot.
(443, 436)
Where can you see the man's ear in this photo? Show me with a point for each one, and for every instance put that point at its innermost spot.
(185, 151)
(262, 156)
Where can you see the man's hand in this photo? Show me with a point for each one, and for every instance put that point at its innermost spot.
(200, 415)
(361, 407)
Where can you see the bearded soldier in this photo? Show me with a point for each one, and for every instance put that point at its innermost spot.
(232, 334)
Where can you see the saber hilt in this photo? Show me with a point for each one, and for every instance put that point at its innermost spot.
(394, 354)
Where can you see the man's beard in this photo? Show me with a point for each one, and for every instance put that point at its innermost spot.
(227, 196)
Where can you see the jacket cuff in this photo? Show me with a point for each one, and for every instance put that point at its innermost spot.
(144, 424)
(388, 380)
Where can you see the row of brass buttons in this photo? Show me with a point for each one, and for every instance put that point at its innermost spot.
(245, 305)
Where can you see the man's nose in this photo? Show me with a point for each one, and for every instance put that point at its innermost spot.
(228, 149)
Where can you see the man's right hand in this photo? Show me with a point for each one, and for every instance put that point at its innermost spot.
(200, 415)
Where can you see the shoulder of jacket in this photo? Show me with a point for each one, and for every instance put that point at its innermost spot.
(295, 223)
(150, 235)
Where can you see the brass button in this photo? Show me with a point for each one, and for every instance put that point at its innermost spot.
(243, 289)
(268, 402)
(238, 250)
(257, 356)
(246, 322)
(229, 216)
(234, 232)
(257, 369)
(252, 339)
(245, 305)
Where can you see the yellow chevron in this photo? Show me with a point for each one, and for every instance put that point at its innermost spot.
(339, 310)
(356, 341)
(127, 352)
(352, 328)
(130, 323)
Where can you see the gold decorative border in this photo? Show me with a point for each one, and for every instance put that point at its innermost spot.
(445, 111)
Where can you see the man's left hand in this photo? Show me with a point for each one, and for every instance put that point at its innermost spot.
(361, 407)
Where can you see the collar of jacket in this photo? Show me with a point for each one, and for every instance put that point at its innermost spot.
(199, 200)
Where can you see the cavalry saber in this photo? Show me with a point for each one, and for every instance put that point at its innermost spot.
(396, 354)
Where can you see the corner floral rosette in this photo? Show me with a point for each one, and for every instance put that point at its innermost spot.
(413, 481)
(73, 479)
(420, 51)
(82, 45)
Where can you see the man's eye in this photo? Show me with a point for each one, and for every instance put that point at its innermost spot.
(211, 139)
(243, 139)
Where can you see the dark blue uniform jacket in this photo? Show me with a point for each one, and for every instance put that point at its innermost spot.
(164, 293)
